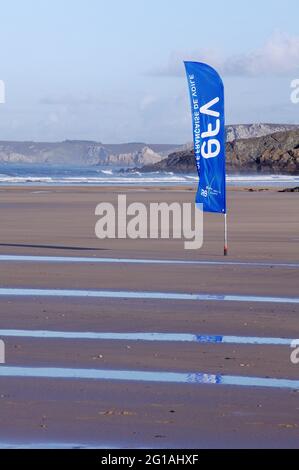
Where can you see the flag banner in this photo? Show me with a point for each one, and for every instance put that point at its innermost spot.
(207, 105)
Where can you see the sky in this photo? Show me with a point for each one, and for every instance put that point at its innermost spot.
(112, 71)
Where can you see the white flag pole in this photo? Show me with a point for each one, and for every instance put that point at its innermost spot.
(225, 236)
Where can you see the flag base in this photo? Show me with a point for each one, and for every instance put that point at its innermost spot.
(225, 236)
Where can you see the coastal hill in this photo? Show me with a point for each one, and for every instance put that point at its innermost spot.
(276, 153)
(81, 152)
(249, 131)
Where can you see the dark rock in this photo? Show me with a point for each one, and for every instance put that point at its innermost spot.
(275, 153)
(290, 190)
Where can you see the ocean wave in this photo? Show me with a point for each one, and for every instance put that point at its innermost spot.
(25, 179)
(89, 180)
(109, 177)
(262, 177)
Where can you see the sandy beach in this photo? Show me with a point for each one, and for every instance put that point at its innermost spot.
(263, 262)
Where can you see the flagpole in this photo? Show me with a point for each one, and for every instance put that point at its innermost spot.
(225, 236)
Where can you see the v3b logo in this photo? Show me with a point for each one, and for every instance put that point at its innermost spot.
(295, 353)
(211, 146)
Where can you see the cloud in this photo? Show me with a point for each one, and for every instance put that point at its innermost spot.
(147, 102)
(174, 67)
(80, 99)
(279, 56)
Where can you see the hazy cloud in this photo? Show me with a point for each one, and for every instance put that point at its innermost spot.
(147, 102)
(279, 56)
(80, 99)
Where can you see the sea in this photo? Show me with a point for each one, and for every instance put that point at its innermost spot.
(44, 175)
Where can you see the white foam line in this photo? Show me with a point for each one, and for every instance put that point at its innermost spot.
(17, 292)
(159, 337)
(68, 259)
(142, 376)
(52, 445)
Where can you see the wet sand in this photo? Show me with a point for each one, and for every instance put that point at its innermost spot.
(263, 226)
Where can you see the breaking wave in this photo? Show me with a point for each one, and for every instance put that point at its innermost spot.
(41, 175)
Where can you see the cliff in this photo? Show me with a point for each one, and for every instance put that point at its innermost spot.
(136, 154)
(72, 152)
(275, 153)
